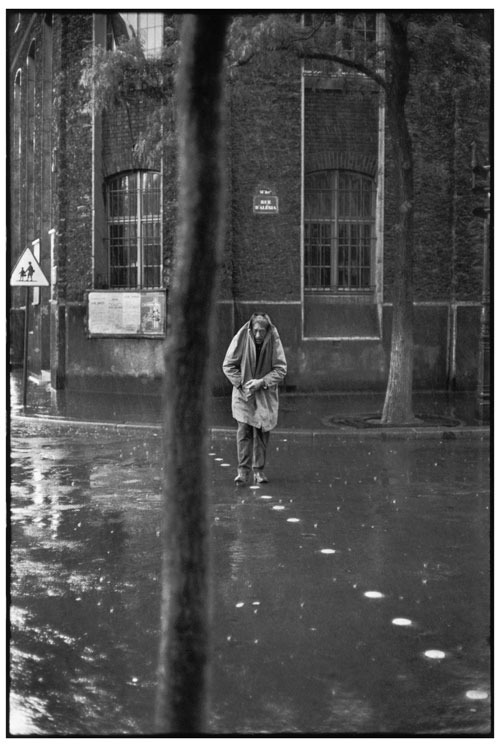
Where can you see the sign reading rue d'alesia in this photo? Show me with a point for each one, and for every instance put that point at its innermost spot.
(265, 202)
(28, 272)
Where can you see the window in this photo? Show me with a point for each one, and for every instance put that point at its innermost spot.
(17, 116)
(30, 142)
(358, 36)
(134, 230)
(350, 35)
(147, 26)
(16, 177)
(339, 231)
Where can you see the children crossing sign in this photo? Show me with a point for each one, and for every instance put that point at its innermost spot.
(28, 272)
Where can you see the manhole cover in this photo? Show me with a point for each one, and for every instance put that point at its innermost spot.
(372, 420)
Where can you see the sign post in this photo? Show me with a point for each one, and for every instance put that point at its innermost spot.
(25, 348)
(27, 273)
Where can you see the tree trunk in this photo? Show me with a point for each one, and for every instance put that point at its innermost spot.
(398, 407)
(183, 656)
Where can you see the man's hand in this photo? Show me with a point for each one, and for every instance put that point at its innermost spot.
(254, 385)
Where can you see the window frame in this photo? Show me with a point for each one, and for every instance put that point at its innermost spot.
(128, 24)
(354, 35)
(136, 219)
(329, 260)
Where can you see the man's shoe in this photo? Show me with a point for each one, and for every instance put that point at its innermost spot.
(241, 477)
(259, 476)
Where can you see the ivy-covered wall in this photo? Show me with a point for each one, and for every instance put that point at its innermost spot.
(265, 143)
(448, 109)
(73, 162)
(342, 119)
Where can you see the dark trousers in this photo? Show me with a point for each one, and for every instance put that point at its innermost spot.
(251, 444)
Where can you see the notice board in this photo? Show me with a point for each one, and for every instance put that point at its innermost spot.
(126, 313)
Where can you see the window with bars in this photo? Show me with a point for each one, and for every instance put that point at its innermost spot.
(133, 202)
(339, 231)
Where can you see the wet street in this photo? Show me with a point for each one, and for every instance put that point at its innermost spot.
(350, 593)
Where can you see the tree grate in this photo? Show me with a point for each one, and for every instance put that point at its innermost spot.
(372, 420)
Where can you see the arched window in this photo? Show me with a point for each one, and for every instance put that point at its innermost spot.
(17, 115)
(363, 37)
(339, 231)
(16, 176)
(45, 101)
(354, 39)
(148, 27)
(133, 203)
(30, 142)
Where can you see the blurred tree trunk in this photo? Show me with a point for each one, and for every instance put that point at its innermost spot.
(183, 656)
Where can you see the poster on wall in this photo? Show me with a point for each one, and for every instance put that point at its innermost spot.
(127, 313)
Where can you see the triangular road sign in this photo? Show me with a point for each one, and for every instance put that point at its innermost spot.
(28, 272)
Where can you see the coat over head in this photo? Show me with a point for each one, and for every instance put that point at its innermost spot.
(243, 362)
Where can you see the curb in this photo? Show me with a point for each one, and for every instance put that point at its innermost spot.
(403, 433)
(311, 434)
(46, 420)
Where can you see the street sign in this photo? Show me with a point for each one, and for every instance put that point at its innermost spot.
(265, 202)
(28, 272)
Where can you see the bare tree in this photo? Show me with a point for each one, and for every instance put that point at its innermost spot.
(398, 397)
(183, 657)
(394, 81)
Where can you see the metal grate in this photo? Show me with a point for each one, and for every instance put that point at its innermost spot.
(134, 230)
(339, 231)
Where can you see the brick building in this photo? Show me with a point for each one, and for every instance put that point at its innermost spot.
(309, 223)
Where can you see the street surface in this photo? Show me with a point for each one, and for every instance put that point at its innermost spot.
(350, 593)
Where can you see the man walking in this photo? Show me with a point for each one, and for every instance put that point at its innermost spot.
(255, 364)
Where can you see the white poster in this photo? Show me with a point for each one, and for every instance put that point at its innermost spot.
(115, 313)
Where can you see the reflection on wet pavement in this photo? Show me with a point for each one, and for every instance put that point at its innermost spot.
(350, 593)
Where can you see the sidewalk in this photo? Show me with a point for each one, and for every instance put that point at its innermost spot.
(318, 416)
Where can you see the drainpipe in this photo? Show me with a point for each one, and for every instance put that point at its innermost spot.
(481, 185)
(452, 314)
